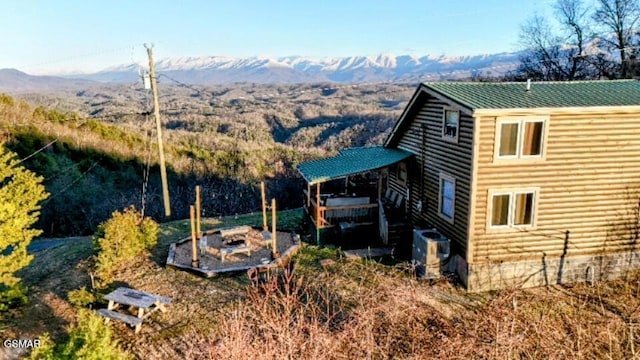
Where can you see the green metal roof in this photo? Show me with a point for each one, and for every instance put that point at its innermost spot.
(509, 95)
(350, 161)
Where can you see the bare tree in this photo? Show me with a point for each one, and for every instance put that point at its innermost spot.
(622, 18)
(562, 55)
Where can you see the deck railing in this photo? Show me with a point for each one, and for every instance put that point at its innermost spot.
(325, 216)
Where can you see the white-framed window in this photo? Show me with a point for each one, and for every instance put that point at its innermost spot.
(520, 138)
(401, 173)
(450, 124)
(447, 197)
(512, 208)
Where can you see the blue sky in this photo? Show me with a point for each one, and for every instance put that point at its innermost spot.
(52, 36)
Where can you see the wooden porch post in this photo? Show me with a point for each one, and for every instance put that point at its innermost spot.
(380, 185)
(194, 246)
(308, 195)
(318, 214)
(265, 227)
(198, 212)
(274, 234)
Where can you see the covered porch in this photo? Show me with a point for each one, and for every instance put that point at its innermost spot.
(346, 197)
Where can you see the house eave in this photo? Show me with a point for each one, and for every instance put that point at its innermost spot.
(599, 110)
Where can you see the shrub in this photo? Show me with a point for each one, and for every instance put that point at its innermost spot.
(90, 339)
(6, 100)
(81, 297)
(20, 194)
(121, 239)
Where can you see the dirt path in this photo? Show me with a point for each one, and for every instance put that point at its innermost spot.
(41, 244)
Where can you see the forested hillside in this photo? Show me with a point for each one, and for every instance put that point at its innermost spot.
(97, 151)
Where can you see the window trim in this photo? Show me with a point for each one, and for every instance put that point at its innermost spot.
(402, 173)
(513, 192)
(451, 179)
(452, 139)
(520, 121)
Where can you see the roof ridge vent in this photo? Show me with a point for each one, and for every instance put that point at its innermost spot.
(528, 84)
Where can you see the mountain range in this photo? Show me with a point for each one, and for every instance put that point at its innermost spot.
(300, 69)
(291, 69)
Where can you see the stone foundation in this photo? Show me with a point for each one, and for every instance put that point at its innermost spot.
(547, 271)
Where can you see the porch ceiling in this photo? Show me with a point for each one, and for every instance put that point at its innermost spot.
(349, 162)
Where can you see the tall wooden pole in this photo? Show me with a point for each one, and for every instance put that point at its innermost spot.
(265, 226)
(198, 212)
(274, 234)
(156, 112)
(194, 246)
(318, 214)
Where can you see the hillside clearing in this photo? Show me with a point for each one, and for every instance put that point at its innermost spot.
(344, 310)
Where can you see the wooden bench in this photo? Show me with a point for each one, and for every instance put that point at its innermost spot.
(235, 231)
(136, 322)
(234, 250)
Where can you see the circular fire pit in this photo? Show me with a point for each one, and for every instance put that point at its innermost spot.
(232, 249)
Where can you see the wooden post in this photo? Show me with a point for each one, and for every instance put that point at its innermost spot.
(308, 195)
(198, 212)
(194, 242)
(156, 112)
(380, 185)
(318, 214)
(274, 234)
(265, 226)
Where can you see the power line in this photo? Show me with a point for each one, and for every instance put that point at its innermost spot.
(37, 151)
(181, 83)
(144, 113)
(80, 56)
(72, 183)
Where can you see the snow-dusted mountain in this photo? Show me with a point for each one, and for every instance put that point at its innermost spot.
(300, 69)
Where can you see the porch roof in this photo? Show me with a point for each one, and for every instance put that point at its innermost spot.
(349, 162)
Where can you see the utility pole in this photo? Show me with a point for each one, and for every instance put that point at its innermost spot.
(156, 112)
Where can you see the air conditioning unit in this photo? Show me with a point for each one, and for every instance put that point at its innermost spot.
(430, 252)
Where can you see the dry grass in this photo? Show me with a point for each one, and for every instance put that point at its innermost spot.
(345, 310)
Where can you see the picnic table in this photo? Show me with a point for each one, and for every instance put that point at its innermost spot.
(146, 304)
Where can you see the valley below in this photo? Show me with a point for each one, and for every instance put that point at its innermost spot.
(101, 152)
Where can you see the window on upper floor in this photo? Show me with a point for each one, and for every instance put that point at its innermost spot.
(512, 209)
(401, 173)
(518, 139)
(450, 124)
(447, 197)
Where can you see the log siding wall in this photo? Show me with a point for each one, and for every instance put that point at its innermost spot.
(433, 156)
(589, 185)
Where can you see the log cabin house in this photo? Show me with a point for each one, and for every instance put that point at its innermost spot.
(533, 183)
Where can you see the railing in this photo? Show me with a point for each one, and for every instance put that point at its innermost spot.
(349, 213)
(324, 216)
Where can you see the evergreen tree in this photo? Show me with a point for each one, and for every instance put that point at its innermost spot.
(120, 240)
(20, 192)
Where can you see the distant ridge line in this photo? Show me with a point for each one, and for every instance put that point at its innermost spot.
(206, 70)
